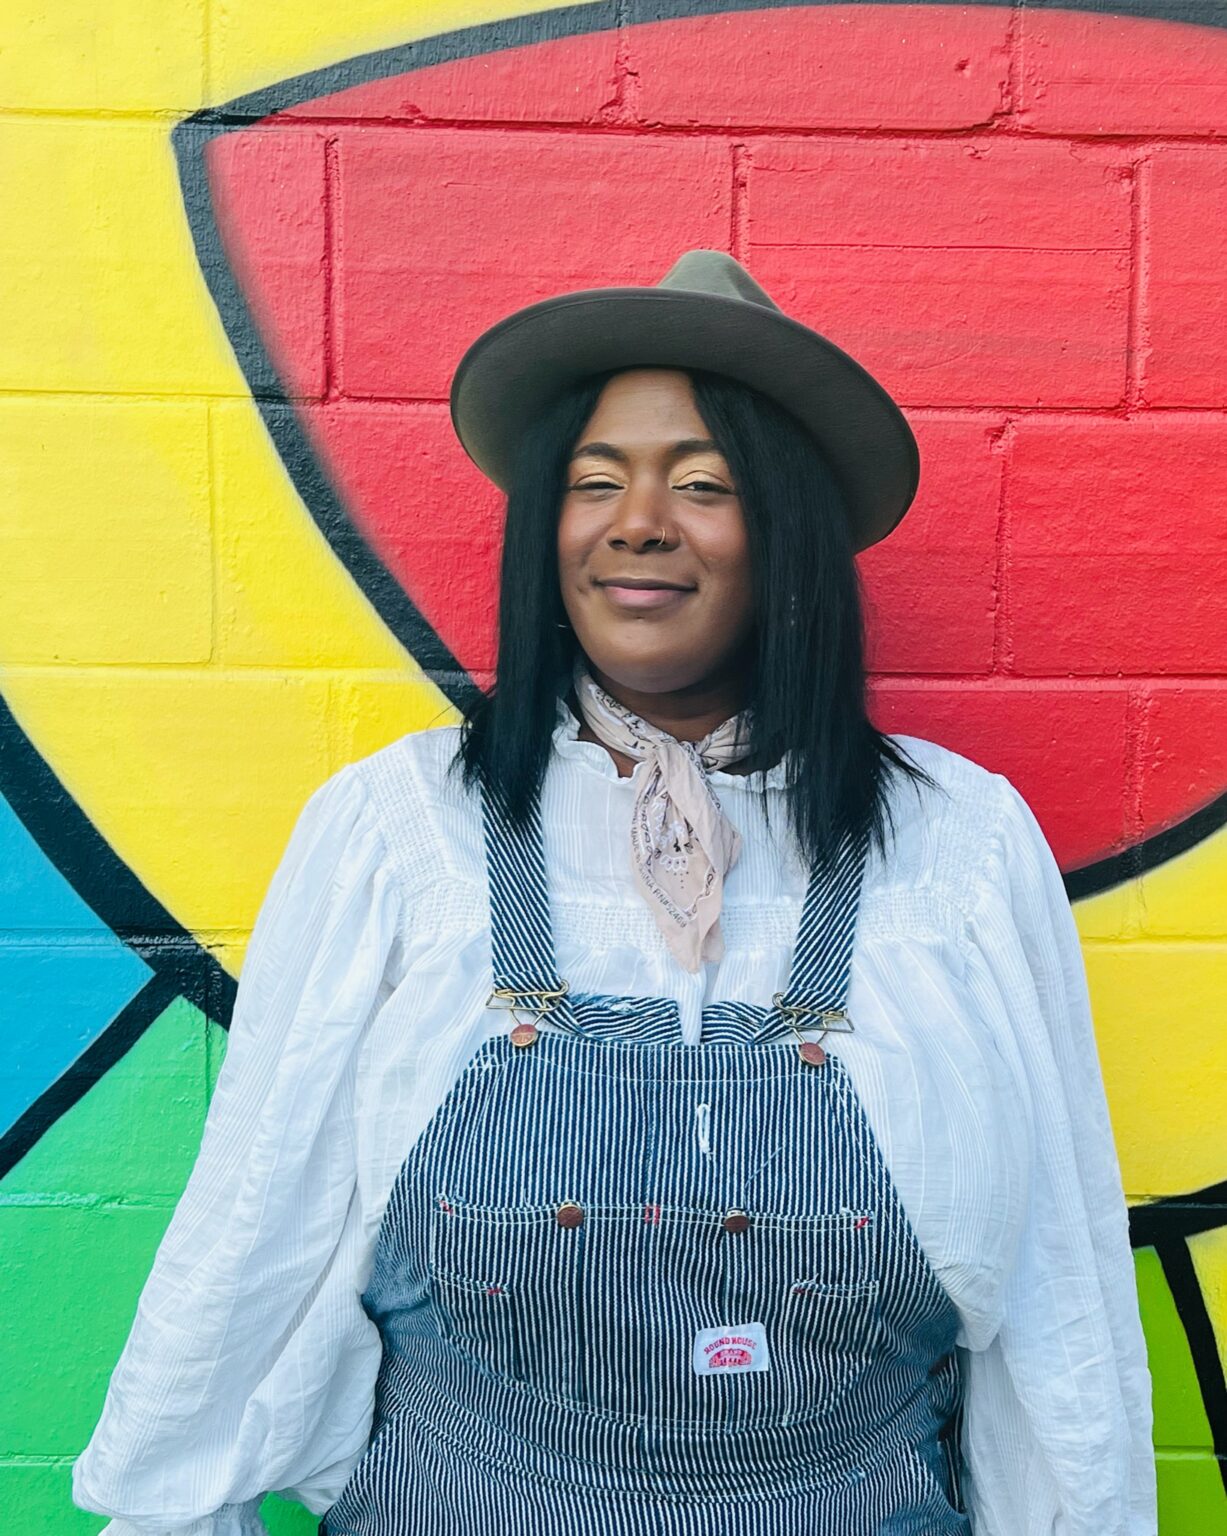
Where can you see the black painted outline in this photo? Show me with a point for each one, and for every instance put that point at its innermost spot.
(120, 1035)
(1166, 1225)
(1178, 1217)
(74, 845)
(1178, 1270)
(181, 965)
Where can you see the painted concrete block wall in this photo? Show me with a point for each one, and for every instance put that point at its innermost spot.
(243, 246)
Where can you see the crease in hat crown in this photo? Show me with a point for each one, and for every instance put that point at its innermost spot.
(716, 273)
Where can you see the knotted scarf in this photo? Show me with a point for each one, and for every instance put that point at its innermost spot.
(682, 843)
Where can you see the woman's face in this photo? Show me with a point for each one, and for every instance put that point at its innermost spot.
(653, 557)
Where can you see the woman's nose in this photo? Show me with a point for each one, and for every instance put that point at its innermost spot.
(641, 519)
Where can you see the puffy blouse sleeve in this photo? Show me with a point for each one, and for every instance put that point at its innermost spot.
(1057, 1426)
(250, 1364)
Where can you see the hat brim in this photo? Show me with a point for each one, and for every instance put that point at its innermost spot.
(512, 371)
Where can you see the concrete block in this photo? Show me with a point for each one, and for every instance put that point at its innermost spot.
(60, 1337)
(1163, 1000)
(135, 1134)
(930, 587)
(100, 282)
(442, 233)
(284, 598)
(820, 66)
(1190, 1492)
(1129, 507)
(105, 541)
(1182, 753)
(267, 190)
(1091, 73)
(38, 1497)
(1185, 313)
(432, 518)
(194, 778)
(1062, 746)
(76, 56)
(960, 274)
(569, 80)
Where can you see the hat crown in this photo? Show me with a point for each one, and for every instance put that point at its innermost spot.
(718, 273)
(705, 314)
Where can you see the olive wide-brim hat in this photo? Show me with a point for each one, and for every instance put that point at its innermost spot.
(706, 312)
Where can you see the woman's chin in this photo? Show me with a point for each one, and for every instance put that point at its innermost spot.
(660, 672)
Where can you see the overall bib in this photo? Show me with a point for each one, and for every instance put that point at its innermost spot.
(632, 1287)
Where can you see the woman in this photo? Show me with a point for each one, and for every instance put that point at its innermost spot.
(663, 1104)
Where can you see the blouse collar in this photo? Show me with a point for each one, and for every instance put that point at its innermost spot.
(593, 756)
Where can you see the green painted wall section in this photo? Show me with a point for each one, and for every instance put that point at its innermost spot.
(1191, 1501)
(76, 1256)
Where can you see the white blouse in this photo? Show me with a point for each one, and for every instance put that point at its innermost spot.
(251, 1364)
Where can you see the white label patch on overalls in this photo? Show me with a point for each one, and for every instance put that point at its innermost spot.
(724, 1351)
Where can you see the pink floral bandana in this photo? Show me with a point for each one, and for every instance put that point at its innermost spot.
(682, 843)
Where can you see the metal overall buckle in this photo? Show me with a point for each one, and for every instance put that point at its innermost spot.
(811, 1051)
(525, 1031)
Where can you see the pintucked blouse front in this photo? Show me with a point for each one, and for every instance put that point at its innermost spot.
(251, 1363)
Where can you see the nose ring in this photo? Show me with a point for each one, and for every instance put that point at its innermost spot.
(661, 539)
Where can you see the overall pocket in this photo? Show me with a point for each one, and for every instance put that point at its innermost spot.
(506, 1286)
(812, 1282)
(478, 1316)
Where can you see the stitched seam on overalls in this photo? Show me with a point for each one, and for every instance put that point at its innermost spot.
(432, 1431)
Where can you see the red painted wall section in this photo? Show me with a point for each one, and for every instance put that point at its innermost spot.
(1083, 73)
(833, 67)
(1185, 339)
(1006, 281)
(590, 210)
(968, 198)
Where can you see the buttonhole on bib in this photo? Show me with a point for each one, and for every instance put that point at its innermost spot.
(702, 1125)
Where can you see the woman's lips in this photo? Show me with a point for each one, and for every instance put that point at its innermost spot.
(644, 597)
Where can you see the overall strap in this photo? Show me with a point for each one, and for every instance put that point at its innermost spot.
(522, 944)
(822, 959)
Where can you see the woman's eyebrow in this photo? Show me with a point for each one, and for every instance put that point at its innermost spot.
(676, 450)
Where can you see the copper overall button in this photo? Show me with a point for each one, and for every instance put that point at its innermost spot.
(524, 1034)
(736, 1221)
(569, 1214)
(811, 1053)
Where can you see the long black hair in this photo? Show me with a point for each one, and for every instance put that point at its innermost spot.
(808, 695)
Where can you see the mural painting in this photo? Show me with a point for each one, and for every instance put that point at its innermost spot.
(247, 244)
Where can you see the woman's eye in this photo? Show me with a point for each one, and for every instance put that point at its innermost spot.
(595, 485)
(704, 485)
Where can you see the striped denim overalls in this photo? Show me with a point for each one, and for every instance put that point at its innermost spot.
(632, 1287)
